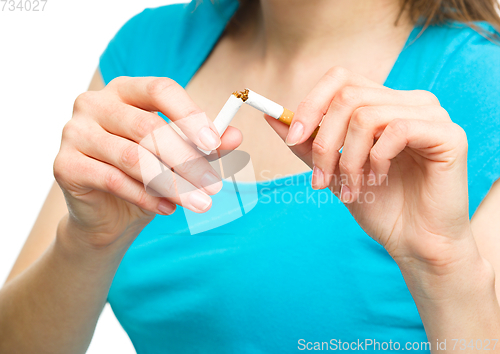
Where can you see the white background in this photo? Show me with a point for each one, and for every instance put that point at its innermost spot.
(46, 59)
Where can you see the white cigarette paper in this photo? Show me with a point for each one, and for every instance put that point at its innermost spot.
(225, 116)
(234, 103)
(264, 105)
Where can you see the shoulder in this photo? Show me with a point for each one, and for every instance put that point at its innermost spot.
(450, 60)
(149, 21)
(467, 83)
(138, 38)
(470, 58)
(157, 39)
(461, 65)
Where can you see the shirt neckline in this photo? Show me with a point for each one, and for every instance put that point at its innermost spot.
(230, 7)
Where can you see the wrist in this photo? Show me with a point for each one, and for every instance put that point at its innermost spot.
(465, 278)
(457, 271)
(458, 304)
(73, 242)
(455, 295)
(440, 264)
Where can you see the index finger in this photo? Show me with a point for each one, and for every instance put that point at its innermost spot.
(164, 95)
(311, 111)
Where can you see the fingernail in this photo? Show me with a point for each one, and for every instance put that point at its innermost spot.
(209, 139)
(318, 178)
(345, 194)
(372, 179)
(200, 200)
(294, 134)
(211, 183)
(165, 207)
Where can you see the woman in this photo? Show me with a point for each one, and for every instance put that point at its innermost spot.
(403, 99)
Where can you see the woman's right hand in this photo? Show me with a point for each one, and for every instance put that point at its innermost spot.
(114, 138)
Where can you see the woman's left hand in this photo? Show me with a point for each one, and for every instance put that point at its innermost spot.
(402, 172)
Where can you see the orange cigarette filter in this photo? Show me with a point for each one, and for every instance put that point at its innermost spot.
(269, 107)
(287, 118)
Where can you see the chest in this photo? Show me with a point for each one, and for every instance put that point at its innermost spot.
(313, 276)
(231, 68)
(211, 87)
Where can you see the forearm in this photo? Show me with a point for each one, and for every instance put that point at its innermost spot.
(54, 305)
(457, 302)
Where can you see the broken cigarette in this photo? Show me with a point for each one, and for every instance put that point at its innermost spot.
(265, 105)
(255, 100)
(225, 116)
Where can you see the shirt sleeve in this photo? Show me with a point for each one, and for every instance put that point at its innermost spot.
(116, 59)
(144, 45)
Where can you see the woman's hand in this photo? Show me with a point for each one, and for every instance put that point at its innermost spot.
(402, 171)
(115, 142)
(402, 174)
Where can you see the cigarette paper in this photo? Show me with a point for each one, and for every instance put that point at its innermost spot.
(225, 116)
(264, 105)
(269, 107)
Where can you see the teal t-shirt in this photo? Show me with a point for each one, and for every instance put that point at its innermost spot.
(290, 271)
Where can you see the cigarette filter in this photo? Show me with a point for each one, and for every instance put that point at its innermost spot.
(268, 107)
(255, 100)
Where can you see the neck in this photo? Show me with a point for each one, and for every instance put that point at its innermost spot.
(294, 28)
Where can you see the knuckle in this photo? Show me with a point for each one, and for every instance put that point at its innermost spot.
(433, 98)
(346, 167)
(142, 199)
(443, 114)
(129, 157)
(308, 106)
(375, 155)
(460, 132)
(144, 125)
(84, 101)
(348, 96)
(189, 111)
(319, 146)
(70, 130)
(171, 188)
(186, 160)
(460, 136)
(65, 169)
(113, 181)
(399, 127)
(428, 97)
(60, 167)
(118, 81)
(159, 86)
(338, 72)
(362, 117)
